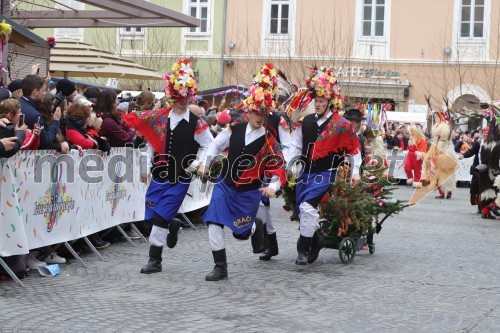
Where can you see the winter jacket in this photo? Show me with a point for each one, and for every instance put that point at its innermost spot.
(118, 134)
(32, 116)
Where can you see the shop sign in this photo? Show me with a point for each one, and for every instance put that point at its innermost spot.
(362, 72)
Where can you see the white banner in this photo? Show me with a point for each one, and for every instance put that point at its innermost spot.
(398, 171)
(47, 199)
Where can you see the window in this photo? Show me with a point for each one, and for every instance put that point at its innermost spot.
(69, 5)
(472, 19)
(68, 31)
(373, 18)
(132, 31)
(199, 9)
(280, 17)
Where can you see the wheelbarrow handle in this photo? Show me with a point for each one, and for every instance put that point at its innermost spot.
(379, 224)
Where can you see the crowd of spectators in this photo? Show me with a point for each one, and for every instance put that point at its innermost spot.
(37, 113)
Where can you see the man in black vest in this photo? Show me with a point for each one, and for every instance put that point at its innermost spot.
(322, 141)
(181, 136)
(254, 154)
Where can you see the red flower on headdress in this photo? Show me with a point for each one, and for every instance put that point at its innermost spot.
(51, 41)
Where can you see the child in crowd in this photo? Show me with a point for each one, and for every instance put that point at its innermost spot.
(11, 109)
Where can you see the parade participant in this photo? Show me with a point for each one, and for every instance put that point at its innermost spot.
(474, 151)
(176, 136)
(253, 154)
(356, 117)
(441, 160)
(279, 128)
(322, 141)
(417, 146)
(489, 174)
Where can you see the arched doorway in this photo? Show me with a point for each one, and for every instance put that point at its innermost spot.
(466, 115)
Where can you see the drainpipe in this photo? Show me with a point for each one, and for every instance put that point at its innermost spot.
(223, 45)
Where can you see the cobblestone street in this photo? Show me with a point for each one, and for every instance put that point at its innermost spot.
(436, 269)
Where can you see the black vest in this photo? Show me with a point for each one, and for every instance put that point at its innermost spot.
(181, 149)
(239, 157)
(310, 132)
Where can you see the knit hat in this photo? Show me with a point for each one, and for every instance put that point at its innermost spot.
(223, 118)
(15, 85)
(181, 82)
(66, 87)
(322, 83)
(262, 92)
(5, 93)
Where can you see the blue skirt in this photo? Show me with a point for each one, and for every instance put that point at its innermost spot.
(311, 186)
(234, 209)
(164, 199)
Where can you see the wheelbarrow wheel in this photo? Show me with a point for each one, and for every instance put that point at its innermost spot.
(371, 248)
(347, 250)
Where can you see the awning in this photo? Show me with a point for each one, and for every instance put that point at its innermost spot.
(406, 117)
(76, 59)
(100, 13)
(375, 90)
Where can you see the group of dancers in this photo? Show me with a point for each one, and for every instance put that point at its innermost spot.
(260, 153)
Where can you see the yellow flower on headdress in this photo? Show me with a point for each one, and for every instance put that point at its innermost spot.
(5, 29)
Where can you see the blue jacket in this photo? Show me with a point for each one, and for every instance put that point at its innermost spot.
(32, 116)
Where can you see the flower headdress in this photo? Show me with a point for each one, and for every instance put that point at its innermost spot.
(262, 91)
(5, 31)
(321, 82)
(181, 82)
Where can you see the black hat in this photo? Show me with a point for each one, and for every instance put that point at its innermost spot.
(15, 85)
(4, 94)
(354, 114)
(66, 87)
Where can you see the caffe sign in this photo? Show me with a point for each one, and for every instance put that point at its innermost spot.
(368, 73)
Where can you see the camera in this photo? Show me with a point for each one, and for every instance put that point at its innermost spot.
(58, 99)
(8, 131)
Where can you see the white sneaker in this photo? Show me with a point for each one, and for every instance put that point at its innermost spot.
(34, 263)
(55, 259)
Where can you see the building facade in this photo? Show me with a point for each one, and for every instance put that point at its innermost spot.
(401, 52)
(158, 48)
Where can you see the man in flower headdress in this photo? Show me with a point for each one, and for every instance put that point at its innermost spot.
(322, 142)
(253, 154)
(176, 136)
(275, 123)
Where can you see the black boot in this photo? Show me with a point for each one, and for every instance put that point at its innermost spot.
(154, 263)
(303, 248)
(316, 245)
(220, 270)
(272, 248)
(258, 242)
(173, 230)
